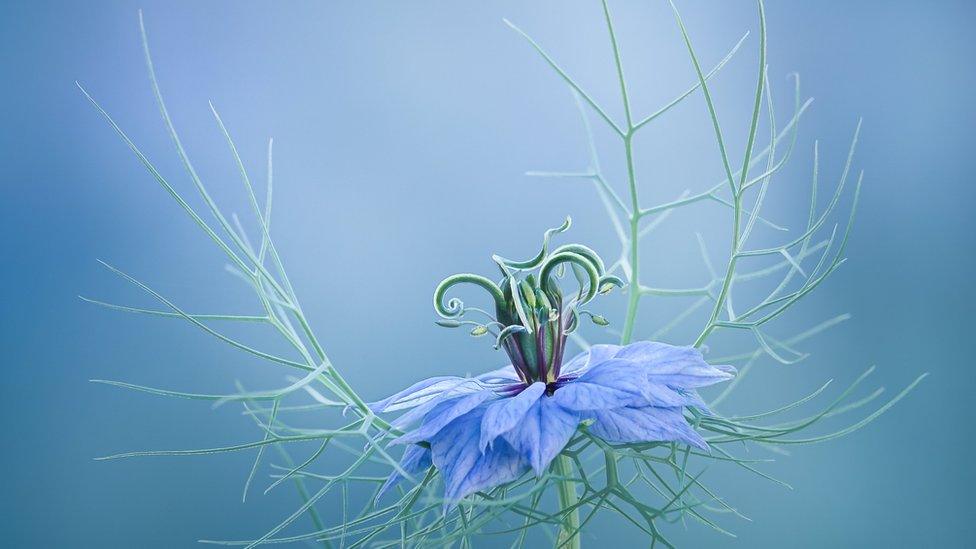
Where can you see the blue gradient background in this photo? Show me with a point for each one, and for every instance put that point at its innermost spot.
(402, 135)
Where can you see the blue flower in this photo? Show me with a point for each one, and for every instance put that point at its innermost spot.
(483, 432)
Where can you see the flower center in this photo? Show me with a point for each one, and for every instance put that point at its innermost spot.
(532, 317)
(551, 386)
(536, 350)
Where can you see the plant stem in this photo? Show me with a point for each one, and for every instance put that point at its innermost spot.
(634, 294)
(730, 270)
(567, 499)
(634, 298)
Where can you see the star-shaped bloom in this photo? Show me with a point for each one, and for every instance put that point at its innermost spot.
(486, 431)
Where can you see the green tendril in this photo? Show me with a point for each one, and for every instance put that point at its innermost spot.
(572, 325)
(533, 319)
(607, 283)
(455, 307)
(507, 332)
(584, 251)
(589, 267)
(535, 261)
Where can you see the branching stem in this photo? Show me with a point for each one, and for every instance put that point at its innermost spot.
(568, 499)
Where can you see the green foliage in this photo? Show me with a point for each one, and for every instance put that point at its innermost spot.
(646, 485)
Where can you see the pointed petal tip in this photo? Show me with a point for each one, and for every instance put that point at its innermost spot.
(726, 369)
(699, 442)
(506, 413)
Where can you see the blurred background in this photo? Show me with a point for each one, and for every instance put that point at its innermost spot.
(402, 136)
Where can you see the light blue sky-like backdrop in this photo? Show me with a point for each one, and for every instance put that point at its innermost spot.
(402, 133)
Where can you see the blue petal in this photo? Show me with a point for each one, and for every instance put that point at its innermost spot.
(443, 414)
(543, 432)
(683, 367)
(415, 415)
(601, 353)
(669, 397)
(416, 459)
(582, 362)
(501, 376)
(422, 392)
(646, 424)
(464, 467)
(575, 364)
(503, 415)
(610, 384)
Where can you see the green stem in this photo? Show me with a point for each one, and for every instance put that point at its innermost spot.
(634, 294)
(635, 211)
(567, 499)
(729, 272)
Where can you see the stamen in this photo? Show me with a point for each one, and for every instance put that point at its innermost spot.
(532, 318)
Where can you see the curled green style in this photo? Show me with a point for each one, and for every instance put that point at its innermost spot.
(532, 317)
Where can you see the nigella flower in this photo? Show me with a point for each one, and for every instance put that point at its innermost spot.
(488, 430)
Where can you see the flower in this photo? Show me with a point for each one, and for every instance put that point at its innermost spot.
(488, 430)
